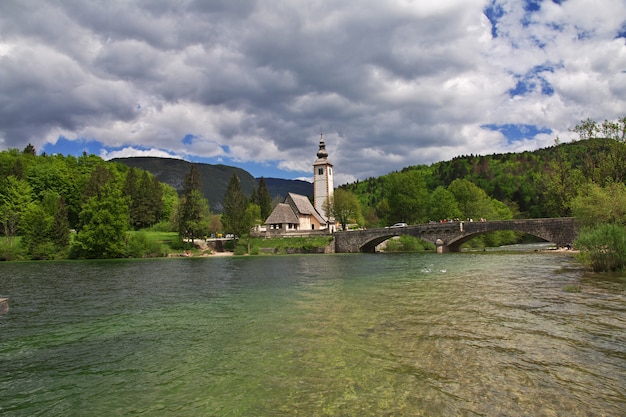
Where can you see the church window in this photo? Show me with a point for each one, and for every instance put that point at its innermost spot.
(320, 171)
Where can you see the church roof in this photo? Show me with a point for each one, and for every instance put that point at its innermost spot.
(282, 213)
(304, 206)
(294, 205)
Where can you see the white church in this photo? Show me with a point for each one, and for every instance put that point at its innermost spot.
(296, 215)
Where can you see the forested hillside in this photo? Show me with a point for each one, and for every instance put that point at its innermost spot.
(214, 178)
(534, 184)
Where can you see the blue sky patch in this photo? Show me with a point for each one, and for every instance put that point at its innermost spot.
(582, 34)
(188, 139)
(65, 146)
(532, 80)
(531, 6)
(494, 12)
(516, 132)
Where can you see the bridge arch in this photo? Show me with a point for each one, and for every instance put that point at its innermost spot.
(454, 245)
(370, 245)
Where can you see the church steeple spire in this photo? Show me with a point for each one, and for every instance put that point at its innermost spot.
(322, 153)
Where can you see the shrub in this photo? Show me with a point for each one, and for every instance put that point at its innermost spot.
(406, 243)
(602, 247)
(13, 252)
(140, 246)
(163, 226)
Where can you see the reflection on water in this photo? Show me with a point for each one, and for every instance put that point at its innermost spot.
(342, 335)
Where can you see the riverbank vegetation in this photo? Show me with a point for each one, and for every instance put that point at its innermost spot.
(601, 212)
(281, 246)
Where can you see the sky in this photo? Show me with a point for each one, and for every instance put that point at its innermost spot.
(253, 83)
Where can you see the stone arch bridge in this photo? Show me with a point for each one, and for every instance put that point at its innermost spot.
(451, 235)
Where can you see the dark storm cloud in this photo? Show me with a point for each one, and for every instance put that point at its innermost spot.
(390, 83)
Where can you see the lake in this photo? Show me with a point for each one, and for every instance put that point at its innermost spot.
(459, 334)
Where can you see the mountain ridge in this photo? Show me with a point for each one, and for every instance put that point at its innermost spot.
(214, 178)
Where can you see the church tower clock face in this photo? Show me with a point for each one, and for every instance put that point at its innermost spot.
(322, 179)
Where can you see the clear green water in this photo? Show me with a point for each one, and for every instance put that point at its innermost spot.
(318, 335)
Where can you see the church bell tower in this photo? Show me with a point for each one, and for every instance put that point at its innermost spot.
(323, 185)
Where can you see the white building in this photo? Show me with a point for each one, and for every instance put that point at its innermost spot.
(323, 186)
(296, 214)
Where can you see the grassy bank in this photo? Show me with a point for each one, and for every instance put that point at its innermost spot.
(260, 246)
(155, 244)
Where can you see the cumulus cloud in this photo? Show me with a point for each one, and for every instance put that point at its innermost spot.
(391, 84)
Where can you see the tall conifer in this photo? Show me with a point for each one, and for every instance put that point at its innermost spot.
(193, 215)
(235, 205)
(265, 200)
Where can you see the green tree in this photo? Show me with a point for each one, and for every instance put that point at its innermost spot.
(235, 205)
(30, 150)
(155, 197)
(607, 161)
(170, 203)
(561, 182)
(473, 202)
(608, 129)
(15, 197)
(383, 211)
(252, 217)
(344, 207)
(99, 176)
(595, 204)
(146, 198)
(50, 173)
(131, 191)
(60, 232)
(264, 199)
(443, 205)
(45, 228)
(215, 224)
(407, 197)
(193, 211)
(104, 222)
(36, 232)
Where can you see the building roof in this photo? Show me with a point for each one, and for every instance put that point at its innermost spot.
(282, 213)
(294, 205)
(304, 206)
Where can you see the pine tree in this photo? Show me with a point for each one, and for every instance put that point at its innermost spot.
(193, 213)
(235, 205)
(60, 232)
(98, 178)
(264, 200)
(156, 198)
(30, 150)
(130, 190)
